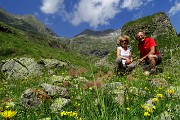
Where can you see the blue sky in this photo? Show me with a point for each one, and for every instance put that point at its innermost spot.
(68, 18)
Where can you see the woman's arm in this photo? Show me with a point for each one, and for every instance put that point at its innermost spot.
(119, 55)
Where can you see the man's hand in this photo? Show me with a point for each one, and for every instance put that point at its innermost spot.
(139, 61)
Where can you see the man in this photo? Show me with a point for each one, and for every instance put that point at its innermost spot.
(148, 52)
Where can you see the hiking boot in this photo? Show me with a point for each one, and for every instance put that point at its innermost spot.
(153, 71)
(146, 73)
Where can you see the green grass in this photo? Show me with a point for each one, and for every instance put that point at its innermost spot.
(97, 103)
(17, 46)
(92, 103)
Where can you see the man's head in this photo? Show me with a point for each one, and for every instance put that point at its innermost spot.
(140, 36)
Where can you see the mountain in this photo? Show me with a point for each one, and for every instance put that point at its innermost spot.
(26, 23)
(89, 42)
(96, 33)
(95, 43)
(154, 25)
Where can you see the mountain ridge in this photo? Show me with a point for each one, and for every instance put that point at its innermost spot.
(26, 23)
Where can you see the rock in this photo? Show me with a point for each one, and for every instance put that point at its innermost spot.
(20, 68)
(159, 82)
(33, 97)
(28, 67)
(52, 90)
(58, 104)
(50, 63)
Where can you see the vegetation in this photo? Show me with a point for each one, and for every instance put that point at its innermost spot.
(103, 96)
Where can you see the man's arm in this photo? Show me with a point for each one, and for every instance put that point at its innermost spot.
(152, 51)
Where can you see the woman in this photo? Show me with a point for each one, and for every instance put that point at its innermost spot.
(124, 55)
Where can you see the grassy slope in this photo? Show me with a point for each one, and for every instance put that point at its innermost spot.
(18, 45)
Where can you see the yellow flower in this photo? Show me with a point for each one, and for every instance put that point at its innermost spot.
(170, 92)
(145, 88)
(149, 110)
(63, 113)
(143, 106)
(90, 88)
(8, 114)
(146, 114)
(128, 109)
(6, 106)
(154, 107)
(159, 95)
(155, 100)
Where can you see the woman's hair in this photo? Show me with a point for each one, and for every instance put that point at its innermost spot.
(121, 38)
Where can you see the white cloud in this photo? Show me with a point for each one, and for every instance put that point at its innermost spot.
(51, 7)
(134, 4)
(174, 9)
(131, 4)
(94, 12)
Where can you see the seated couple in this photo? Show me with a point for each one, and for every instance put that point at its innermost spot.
(148, 53)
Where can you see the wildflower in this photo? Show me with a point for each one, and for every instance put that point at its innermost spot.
(145, 88)
(63, 113)
(146, 114)
(90, 88)
(149, 110)
(71, 113)
(143, 106)
(148, 105)
(8, 114)
(159, 95)
(170, 92)
(6, 106)
(155, 100)
(1, 109)
(154, 107)
(128, 109)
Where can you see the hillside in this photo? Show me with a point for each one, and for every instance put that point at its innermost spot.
(27, 23)
(95, 43)
(77, 89)
(16, 43)
(157, 26)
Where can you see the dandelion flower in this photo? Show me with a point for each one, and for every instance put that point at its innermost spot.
(143, 106)
(149, 110)
(146, 114)
(155, 100)
(170, 92)
(159, 95)
(128, 109)
(8, 114)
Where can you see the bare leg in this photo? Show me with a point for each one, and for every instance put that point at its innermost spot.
(153, 59)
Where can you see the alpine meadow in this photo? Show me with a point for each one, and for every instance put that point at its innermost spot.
(46, 77)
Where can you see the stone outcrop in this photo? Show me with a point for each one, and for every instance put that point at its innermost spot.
(155, 25)
(26, 67)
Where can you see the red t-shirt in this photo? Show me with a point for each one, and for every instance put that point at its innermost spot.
(145, 47)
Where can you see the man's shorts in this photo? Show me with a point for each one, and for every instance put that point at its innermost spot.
(158, 61)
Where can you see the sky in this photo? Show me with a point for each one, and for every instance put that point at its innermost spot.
(67, 18)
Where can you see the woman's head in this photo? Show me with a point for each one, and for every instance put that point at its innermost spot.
(123, 39)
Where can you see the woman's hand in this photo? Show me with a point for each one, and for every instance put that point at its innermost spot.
(128, 61)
